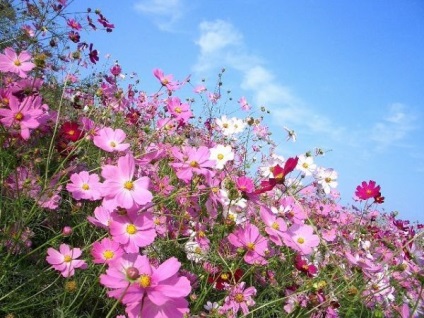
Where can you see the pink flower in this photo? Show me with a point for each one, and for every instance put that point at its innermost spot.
(120, 189)
(245, 184)
(367, 190)
(244, 104)
(133, 231)
(165, 80)
(24, 115)
(192, 160)
(106, 251)
(158, 292)
(65, 260)
(275, 227)
(147, 291)
(85, 186)
(73, 24)
(301, 238)
(16, 63)
(101, 217)
(110, 140)
(179, 111)
(249, 239)
(239, 298)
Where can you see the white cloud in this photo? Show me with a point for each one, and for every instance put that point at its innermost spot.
(221, 45)
(394, 127)
(165, 13)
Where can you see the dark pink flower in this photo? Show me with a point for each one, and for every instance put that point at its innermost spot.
(252, 242)
(367, 190)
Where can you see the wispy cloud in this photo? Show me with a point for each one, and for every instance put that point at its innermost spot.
(394, 127)
(164, 13)
(222, 45)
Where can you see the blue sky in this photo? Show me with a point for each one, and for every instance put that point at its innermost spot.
(345, 75)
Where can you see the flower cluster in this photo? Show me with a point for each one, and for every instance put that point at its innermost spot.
(173, 214)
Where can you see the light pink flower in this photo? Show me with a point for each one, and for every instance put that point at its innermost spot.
(301, 238)
(65, 260)
(12, 62)
(119, 188)
(110, 140)
(133, 231)
(85, 186)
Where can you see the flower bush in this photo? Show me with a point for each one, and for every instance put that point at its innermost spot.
(116, 202)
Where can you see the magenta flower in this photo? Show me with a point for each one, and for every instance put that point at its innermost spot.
(65, 260)
(119, 188)
(106, 251)
(275, 227)
(301, 238)
(252, 242)
(367, 190)
(24, 115)
(12, 62)
(110, 140)
(192, 160)
(85, 186)
(239, 298)
(133, 231)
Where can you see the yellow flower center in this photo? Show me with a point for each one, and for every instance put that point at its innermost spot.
(85, 186)
(112, 144)
(328, 180)
(194, 164)
(225, 125)
(19, 116)
(129, 185)
(300, 240)
(131, 229)
(250, 246)
(108, 254)
(17, 63)
(67, 259)
(225, 276)
(305, 165)
(178, 110)
(71, 132)
(220, 156)
(275, 226)
(145, 280)
(239, 298)
(198, 250)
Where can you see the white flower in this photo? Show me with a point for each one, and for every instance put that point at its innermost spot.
(221, 154)
(194, 252)
(211, 307)
(327, 179)
(230, 126)
(306, 165)
(266, 171)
